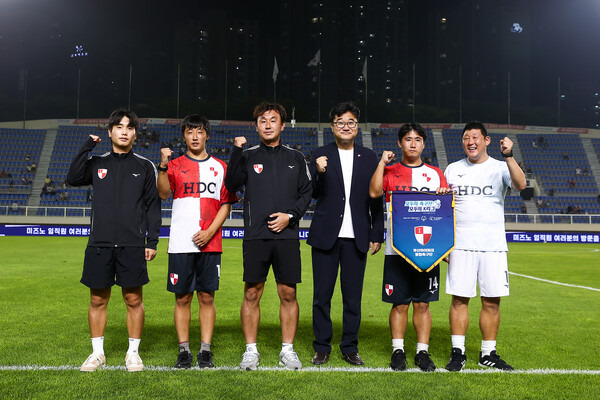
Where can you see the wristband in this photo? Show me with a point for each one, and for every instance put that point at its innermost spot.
(507, 155)
(163, 169)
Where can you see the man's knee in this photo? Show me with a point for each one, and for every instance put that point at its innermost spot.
(460, 302)
(133, 297)
(206, 299)
(99, 298)
(490, 304)
(183, 300)
(252, 293)
(287, 293)
(421, 308)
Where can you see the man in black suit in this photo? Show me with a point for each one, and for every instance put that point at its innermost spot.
(346, 224)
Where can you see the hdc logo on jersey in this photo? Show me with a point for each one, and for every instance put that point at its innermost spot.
(423, 234)
(258, 168)
(174, 279)
(102, 172)
(213, 171)
(425, 175)
(389, 289)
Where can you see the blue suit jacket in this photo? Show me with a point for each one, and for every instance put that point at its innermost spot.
(328, 189)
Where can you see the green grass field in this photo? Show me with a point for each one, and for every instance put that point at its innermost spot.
(549, 333)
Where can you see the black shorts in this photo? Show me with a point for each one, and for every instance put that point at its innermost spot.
(402, 283)
(102, 264)
(283, 254)
(190, 272)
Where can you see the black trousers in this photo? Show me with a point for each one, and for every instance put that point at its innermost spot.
(351, 263)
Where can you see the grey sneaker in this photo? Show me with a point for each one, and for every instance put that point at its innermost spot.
(290, 360)
(250, 360)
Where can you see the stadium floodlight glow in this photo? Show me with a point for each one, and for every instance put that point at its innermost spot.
(516, 28)
(79, 52)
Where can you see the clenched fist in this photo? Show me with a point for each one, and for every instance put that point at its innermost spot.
(239, 141)
(165, 156)
(321, 164)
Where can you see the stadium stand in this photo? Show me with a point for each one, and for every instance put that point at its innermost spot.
(19, 158)
(558, 162)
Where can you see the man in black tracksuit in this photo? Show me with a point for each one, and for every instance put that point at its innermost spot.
(125, 226)
(277, 194)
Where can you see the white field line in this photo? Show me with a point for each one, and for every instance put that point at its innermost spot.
(554, 282)
(545, 371)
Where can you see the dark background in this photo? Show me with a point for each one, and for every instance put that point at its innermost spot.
(221, 53)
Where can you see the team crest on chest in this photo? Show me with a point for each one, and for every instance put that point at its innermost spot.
(423, 234)
(258, 168)
(174, 278)
(102, 172)
(212, 169)
(389, 289)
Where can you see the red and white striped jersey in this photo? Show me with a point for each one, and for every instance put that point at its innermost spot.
(198, 194)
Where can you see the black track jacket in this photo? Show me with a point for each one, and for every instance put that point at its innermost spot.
(277, 180)
(126, 206)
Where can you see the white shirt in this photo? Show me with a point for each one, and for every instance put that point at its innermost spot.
(479, 191)
(347, 162)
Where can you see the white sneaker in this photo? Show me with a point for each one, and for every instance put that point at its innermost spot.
(250, 360)
(290, 360)
(133, 362)
(93, 362)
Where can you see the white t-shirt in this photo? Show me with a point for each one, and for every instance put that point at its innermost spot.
(347, 162)
(479, 191)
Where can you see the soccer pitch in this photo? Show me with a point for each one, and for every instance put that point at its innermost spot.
(549, 333)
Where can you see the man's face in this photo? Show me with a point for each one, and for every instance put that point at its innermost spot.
(195, 139)
(269, 127)
(475, 145)
(412, 146)
(122, 136)
(345, 134)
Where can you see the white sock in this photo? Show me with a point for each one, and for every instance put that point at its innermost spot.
(134, 345)
(98, 345)
(251, 348)
(286, 347)
(458, 341)
(398, 344)
(422, 347)
(487, 346)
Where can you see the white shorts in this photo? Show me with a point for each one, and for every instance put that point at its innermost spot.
(466, 268)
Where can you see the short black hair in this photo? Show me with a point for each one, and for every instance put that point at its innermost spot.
(195, 121)
(342, 108)
(117, 115)
(412, 126)
(265, 106)
(475, 125)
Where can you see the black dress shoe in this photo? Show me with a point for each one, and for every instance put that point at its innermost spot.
(320, 358)
(353, 358)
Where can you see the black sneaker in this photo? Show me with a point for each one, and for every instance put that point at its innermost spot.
(205, 359)
(398, 360)
(457, 360)
(423, 361)
(494, 360)
(184, 360)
